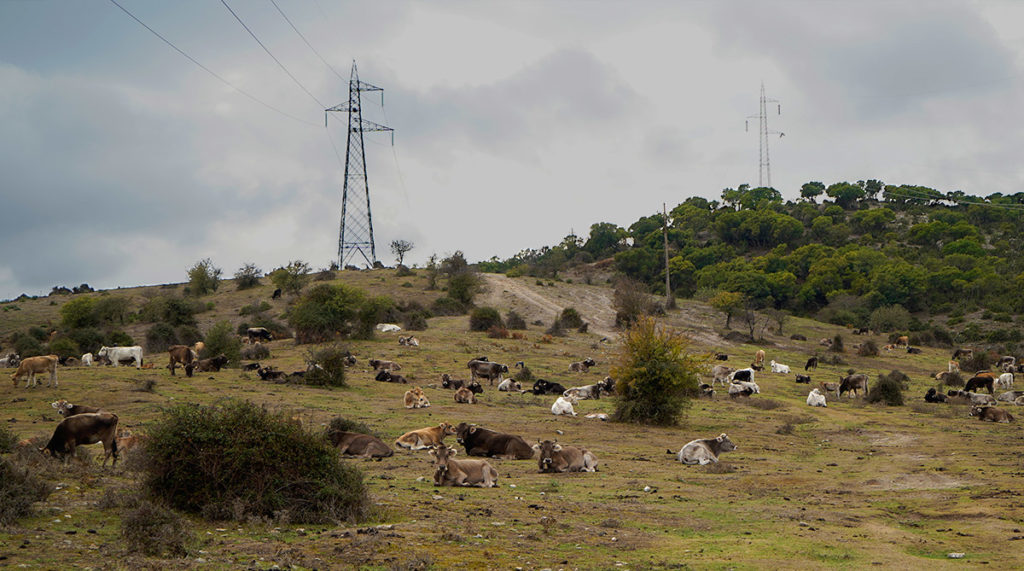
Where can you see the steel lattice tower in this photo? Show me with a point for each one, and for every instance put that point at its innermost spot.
(764, 174)
(356, 233)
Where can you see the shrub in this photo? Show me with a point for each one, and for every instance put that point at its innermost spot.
(514, 321)
(221, 339)
(330, 371)
(980, 361)
(248, 276)
(463, 287)
(498, 332)
(484, 318)
(291, 278)
(187, 334)
(237, 460)
(403, 271)
(175, 311)
(416, 321)
(324, 276)
(27, 346)
(203, 277)
(868, 349)
(889, 318)
(447, 306)
(328, 309)
(954, 379)
(154, 530)
(79, 313)
(89, 340)
(20, 487)
(255, 352)
(8, 439)
(887, 390)
(570, 318)
(837, 344)
(38, 333)
(112, 309)
(656, 375)
(64, 347)
(341, 424)
(631, 301)
(254, 308)
(556, 329)
(159, 337)
(524, 375)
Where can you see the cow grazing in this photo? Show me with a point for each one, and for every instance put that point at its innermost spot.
(181, 354)
(816, 398)
(856, 384)
(359, 444)
(830, 388)
(211, 365)
(806, 379)
(117, 354)
(479, 441)
(965, 353)
(743, 389)
(904, 341)
(721, 357)
(759, 358)
(386, 376)
(812, 363)
(254, 334)
(542, 387)
(991, 413)
(555, 458)
(934, 396)
(980, 381)
(705, 451)
(582, 366)
(414, 398)
(87, 360)
(510, 386)
(1010, 396)
(66, 409)
(29, 367)
(913, 350)
(469, 472)
(486, 370)
(465, 396)
(1005, 381)
(564, 405)
(88, 428)
(276, 294)
(379, 365)
(779, 368)
(720, 374)
(425, 437)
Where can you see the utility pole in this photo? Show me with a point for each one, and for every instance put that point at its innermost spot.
(670, 300)
(356, 233)
(764, 174)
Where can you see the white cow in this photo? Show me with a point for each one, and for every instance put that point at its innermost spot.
(1005, 381)
(780, 368)
(388, 327)
(115, 354)
(748, 388)
(815, 398)
(705, 450)
(564, 405)
(510, 386)
(87, 360)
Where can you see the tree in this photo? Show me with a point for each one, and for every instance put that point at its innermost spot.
(812, 190)
(400, 248)
(221, 339)
(247, 276)
(203, 277)
(79, 312)
(845, 194)
(291, 278)
(728, 302)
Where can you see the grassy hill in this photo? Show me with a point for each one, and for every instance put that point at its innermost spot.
(851, 485)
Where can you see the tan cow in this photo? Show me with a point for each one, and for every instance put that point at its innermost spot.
(414, 398)
(759, 358)
(425, 437)
(465, 396)
(991, 413)
(903, 341)
(557, 458)
(451, 472)
(360, 445)
(31, 366)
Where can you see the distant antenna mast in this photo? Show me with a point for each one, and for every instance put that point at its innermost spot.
(356, 233)
(764, 175)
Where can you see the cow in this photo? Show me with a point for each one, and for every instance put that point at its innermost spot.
(779, 368)
(720, 374)
(965, 353)
(117, 354)
(388, 327)
(349, 360)
(87, 360)
(1010, 396)
(991, 413)
(254, 334)
(856, 384)
(181, 354)
(555, 458)
(425, 437)
(542, 387)
(742, 375)
(582, 366)
(469, 472)
(276, 294)
(564, 405)
(1005, 381)
(211, 365)
(486, 370)
(934, 396)
(271, 374)
(743, 388)
(806, 379)
(510, 386)
(414, 398)
(759, 358)
(973, 398)
(980, 381)
(816, 398)
(721, 357)
(379, 365)
(798, 337)
(465, 396)
(385, 376)
(830, 388)
(825, 342)
(66, 409)
(250, 367)
(607, 385)
(706, 450)
(409, 341)
(953, 367)
(479, 441)
(913, 350)
(359, 444)
(704, 391)
(11, 360)
(585, 392)
(29, 367)
(88, 428)
(904, 341)
(812, 363)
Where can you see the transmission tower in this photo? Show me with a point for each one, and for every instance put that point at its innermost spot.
(356, 233)
(764, 174)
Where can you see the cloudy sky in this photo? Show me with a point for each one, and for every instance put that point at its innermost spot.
(123, 163)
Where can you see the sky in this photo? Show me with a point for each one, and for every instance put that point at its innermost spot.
(124, 163)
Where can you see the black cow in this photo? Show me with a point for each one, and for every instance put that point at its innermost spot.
(803, 379)
(88, 428)
(386, 376)
(276, 294)
(978, 382)
(271, 374)
(743, 375)
(542, 387)
(721, 357)
(251, 367)
(934, 396)
(812, 363)
(480, 441)
(259, 334)
(913, 350)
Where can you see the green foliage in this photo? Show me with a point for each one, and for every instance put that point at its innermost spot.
(248, 276)
(79, 312)
(220, 339)
(88, 339)
(868, 349)
(121, 339)
(887, 389)
(463, 287)
(38, 333)
(8, 439)
(556, 329)
(656, 375)
(20, 487)
(484, 318)
(159, 337)
(837, 344)
(156, 531)
(236, 460)
(571, 318)
(326, 310)
(729, 303)
(889, 318)
(524, 375)
(514, 321)
(254, 308)
(171, 310)
(203, 277)
(112, 309)
(341, 424)
(64, 347)
(27, 346)
(631, 301)
(329, 367)
(291, 278)
(255, 352)
(447, 306)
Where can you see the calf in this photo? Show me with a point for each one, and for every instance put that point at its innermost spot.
(564, 405)
(211, 365)
(250, 367)
(803, 379)
(705, 451)
(87, 360)
(471, 472)
(815, 398)
(465, 396)
(720, 374)
(742, 375)
(779, 368)
(856, 384)
(980, 381)
(425, 437)
(385, 376)
(509, 386)
(582, 366)
(66, 409)
(542, 387)
(904, 341)
(449, 383)
(830, 388)
(486, 370)
(181, 354)
(743, 389)
(705, 391)
(88, 428)
(812, 363)
(379, 365)
(271, 374)
(555, 458)
(1010, 396)
(991, 413)
(409, 341)
(479, 441)
(32, 366)
(414, 398)
(359, 444)
(934, 396)
(1005, 381)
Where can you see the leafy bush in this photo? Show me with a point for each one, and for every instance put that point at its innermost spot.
(447, 306)
(954, 379)
(8, 439)
(570, 318)
(329, 367)
(498, 332)
(416, 321)
(324, 276)
(868, 349)
(463, 287)
(656, 375)
(248, 276)
(328, 309)
(484, 318)
(888, 390)
(291, 278)
(89, 340)
(187, 334)
(154, 530)
(174, 311)
(837, 344)
(237, 460)
(255, 352)
(254, 308)
(889, 318)
(524, 375)
(112, 309)
(64, 347)
(979, 361)
(556, 329)
(38, 333)
(203, 277)
(159, 337)
(79, 312)
(20, 487)
(631, 301)
(27, 346)
(514, 321)
(220, 339)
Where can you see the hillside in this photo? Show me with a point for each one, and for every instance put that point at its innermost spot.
(850, 485)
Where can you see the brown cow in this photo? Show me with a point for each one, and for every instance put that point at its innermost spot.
(359, 444)
(856, 384)
(903, 341)
(425, 437)
(557, 458)
(582, 366)
(451, 472)
(465, 396)
(991, 413)
(759, 358)
(66, 409)
(212, 365)
(182, 354)
(31, 366)
(414, 398)
(980, 381)
(88, 428)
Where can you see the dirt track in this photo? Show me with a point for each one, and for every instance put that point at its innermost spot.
(544, 302)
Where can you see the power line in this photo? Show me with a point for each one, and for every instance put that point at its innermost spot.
(281, 65)
(286, 19)
(209, 71)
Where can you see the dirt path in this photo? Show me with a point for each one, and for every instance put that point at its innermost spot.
(544, 302)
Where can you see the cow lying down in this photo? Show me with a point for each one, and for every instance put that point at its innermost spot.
(471, 472)
(557, 458)
(360, 445)
(705, 451)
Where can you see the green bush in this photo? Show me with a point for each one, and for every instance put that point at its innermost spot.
(38, 333)
(8, 439)
(188, 334)
(64, 347)
(120, 339)
(890, 318)
(154, 530)
(112, 309)
(570, 318)
(79, 312)
(463, 287)
(447, 306)
(328, 309)
(236, 460)
(514, 321)
(837, 344)
(868, 349)
(203, 277)
(887, 390)
(524, 375)
(291, 278)
(175, 311)
(27, 346)
(416, 321)
(20, 487)
(255, 352)
(159, 337)
(220, 339)
(254, 308)
(979, 361)
(248, 276)
(89, 339)
(329, 369)
(556, 329)
(484, 318)
(656, 375)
